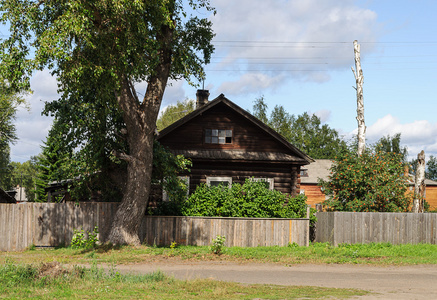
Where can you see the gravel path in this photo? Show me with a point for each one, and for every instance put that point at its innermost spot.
(393, 282)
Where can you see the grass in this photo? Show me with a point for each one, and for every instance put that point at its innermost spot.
(37, 273)
(317, 253)
(50, 281)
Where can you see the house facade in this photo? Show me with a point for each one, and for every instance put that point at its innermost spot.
(310, 175)
(226, 145)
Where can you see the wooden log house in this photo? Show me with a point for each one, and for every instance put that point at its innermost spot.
(226, 145)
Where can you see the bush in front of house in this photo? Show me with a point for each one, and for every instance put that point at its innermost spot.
(372, 182)
(250, 200)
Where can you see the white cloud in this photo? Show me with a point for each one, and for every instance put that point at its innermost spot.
(174, 92)
(417, 136)
(324, 115)
(250, 83)
(32, 128)
(293, 38)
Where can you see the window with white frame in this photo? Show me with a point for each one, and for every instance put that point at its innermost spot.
(270, 183)
(185, 180)
(216, 181)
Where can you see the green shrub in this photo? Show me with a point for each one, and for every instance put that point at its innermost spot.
(250, 200)
(84, 240)
(217, 244)
(374, 181)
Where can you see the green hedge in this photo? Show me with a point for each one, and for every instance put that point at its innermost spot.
(250, 200)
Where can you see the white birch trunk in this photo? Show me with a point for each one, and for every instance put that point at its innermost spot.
(419, 187)
(359, 79)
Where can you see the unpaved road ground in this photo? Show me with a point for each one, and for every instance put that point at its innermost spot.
(392, 282)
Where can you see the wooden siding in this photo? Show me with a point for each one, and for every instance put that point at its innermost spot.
(246, 135)
(395, 228)
(431, 197)
(52, 224)
(313, 193)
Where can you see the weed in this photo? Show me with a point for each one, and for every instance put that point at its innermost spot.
(82, 240)
(217, 244)
(31, 247)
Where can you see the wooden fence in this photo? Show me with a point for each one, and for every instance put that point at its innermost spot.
(395, 228)
(243, 232)
(52, 224)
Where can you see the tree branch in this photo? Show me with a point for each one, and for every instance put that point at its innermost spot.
(123, 156)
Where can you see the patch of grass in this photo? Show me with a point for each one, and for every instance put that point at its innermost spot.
(52, 281)
(317, 253)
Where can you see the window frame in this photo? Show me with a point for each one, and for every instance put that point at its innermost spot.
(208, 133)
(219, 178)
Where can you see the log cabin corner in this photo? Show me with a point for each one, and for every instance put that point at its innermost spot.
(226, 145)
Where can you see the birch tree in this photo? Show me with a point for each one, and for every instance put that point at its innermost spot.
(359, 79)
(419, 187)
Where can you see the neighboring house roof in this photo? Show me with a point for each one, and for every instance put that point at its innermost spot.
(5, 198)
(320, 168)
(238, 154)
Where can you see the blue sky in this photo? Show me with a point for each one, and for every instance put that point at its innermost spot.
(299, 54)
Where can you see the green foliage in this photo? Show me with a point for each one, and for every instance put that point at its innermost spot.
(166, 168)
(99, 51)
(374, 181)
(5, 168)
(172, 113)
(25, 175)
(250, 200)
(9, 102)
(392, 144)
(305, 131)
(431, 166)
(84, 240)
(217, 244)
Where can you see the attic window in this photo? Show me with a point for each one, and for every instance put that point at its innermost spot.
(218, 136)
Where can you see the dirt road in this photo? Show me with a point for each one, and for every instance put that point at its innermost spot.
(406, 282)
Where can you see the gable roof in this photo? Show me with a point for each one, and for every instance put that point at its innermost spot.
(244, 114)
(320, 168)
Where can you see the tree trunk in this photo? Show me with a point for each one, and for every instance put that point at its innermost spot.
(419, 187)
(140, 119)
(359, 79)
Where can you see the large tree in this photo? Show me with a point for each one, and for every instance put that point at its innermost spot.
(9, 103)
(98, 50)
(304, 131)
